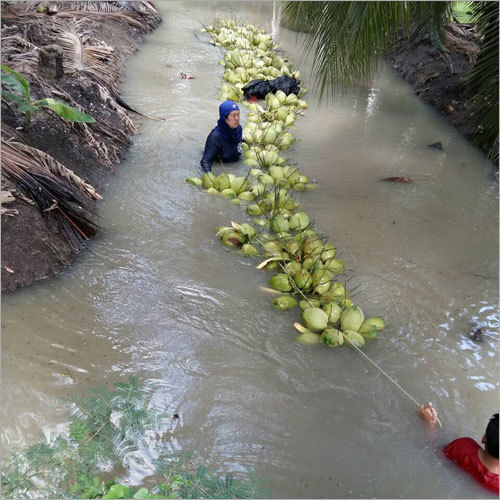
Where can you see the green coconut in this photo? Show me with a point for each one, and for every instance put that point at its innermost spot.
(332, 338)
(279, 224)
(292, 267)
(195, 181)
(255, 172)
(321, 281)
(266, 179)
(351, 318)
(281, 96)
(315, 319)
(336, 266)
(308, 338)
(249, 249)
(375, 322)
(284, 302)
(239, 184)
(208, 180)
(272, 247)
(248, 230)
(299, 221)
(371, 326)
(292, 247)
(303, 279)
(333, 311)
(262, 222)
(336, 293)
(271, 266)
(276, 173)
(308, 263)
(228, 193)
(258, 189)
(304, 304)
(354, 337)
(254, 209)
(328, 252)
(246, 195)
(321, 276)
(222, 182)
(232, 238)
(312, 245)
(280, 282)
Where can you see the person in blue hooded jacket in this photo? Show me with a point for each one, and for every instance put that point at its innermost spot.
(224, 141)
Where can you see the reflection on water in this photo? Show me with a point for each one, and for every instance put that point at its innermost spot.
(158, 296)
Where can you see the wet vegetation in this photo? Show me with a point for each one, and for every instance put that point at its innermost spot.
(94, 457)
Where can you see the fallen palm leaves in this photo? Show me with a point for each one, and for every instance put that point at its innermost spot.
(92, 69)
(306, 267)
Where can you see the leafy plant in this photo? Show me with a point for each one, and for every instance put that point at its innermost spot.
(19, 94)
(105, 426)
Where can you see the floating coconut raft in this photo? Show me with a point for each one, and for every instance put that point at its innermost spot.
(306, 267)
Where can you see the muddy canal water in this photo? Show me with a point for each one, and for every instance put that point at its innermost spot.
(158, 296)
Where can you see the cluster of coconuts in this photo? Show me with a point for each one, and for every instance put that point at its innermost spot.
(307, 277)
(305, 265)
(250, 56)
(227, 185)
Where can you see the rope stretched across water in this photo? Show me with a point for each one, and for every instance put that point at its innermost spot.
(390, 378)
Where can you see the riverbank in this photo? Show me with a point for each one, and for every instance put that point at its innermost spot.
(438, 78)
(47, 212)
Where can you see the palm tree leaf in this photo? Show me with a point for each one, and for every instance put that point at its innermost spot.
(429, 20)
(482, 81)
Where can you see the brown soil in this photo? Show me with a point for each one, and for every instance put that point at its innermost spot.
(33, 245)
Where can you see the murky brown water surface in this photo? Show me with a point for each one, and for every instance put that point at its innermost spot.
(158, 296)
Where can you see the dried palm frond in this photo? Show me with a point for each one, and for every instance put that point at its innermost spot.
(115, 104)
(138, 14)
(28, 156)
(19, 54)
(10, 211)
(54, 197)
(6, 196)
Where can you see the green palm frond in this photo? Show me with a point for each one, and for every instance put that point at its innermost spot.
(482, 81)
(349, 37)
(301, 16)
(429, 19)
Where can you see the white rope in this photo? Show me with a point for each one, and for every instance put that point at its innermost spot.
(389, 377)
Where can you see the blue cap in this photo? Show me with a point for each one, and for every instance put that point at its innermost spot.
(226, 107)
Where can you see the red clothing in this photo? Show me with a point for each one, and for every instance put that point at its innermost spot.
(464, 452)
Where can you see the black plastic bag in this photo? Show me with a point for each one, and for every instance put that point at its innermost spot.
(285, 83)
(257, 88)
(260, 88)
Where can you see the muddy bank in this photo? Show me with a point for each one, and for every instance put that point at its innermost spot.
(438, 78)
(49, 212)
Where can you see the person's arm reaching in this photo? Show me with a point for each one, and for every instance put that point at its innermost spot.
(212, 148)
